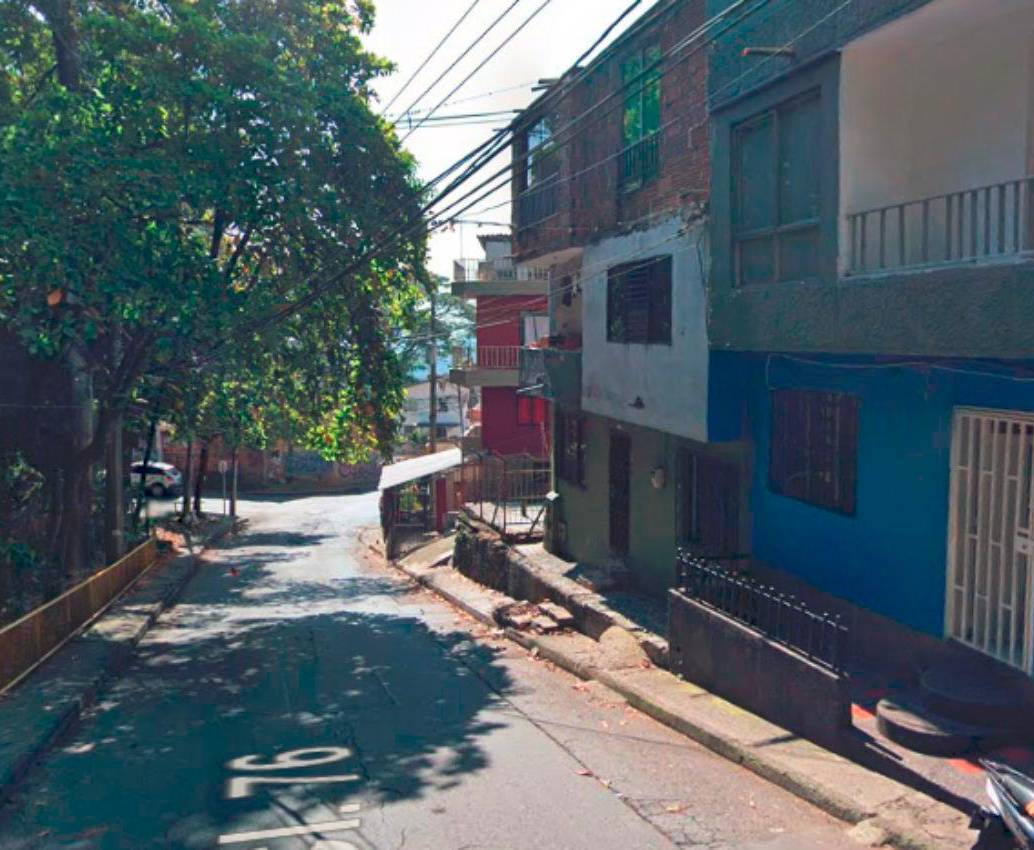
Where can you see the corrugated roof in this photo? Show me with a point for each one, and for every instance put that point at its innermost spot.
(419, 467)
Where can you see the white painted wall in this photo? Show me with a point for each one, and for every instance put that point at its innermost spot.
(935, 102)
(671, 380)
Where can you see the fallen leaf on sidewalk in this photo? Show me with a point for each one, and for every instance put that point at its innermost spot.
(605, 783)
(646, 665)
(234, 572)
(584, 772)
(675, 808)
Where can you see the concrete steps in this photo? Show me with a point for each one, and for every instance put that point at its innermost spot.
(958, 709)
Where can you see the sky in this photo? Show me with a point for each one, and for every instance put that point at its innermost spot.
(407, 30)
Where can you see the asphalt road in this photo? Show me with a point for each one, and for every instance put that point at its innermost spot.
(300, 697)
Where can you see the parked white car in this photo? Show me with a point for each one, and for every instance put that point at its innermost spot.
(161, 480)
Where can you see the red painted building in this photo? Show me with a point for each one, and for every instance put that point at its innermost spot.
(511, 312)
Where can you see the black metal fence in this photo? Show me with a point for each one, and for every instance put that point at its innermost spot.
(821, 637)
(537, 203)
(641, 162)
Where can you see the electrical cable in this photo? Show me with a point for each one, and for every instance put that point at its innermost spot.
(483, 152)
(483, 63)
(432, 54)
(484, 34)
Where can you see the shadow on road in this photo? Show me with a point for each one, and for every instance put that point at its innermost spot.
(274, 659)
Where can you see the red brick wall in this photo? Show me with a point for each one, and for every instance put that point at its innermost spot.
(592, 203)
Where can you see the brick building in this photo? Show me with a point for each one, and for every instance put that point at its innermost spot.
(610, 190)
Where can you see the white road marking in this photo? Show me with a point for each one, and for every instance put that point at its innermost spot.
(347, 809)
(288, 831)
(242, 786)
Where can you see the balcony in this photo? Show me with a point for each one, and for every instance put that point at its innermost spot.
(641, 162)
(552, 373)
(983, 224)
(480, 278)
(537, 204)
(493, 366)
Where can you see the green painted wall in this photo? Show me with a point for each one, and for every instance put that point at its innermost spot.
(652, 530)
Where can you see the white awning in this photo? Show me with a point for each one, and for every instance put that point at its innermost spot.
(416, 468)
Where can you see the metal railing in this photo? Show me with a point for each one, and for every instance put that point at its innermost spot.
(537, 204)
(507, 492)
(492, 357)
(956, 227)
(488, 271)
(641, 161)
(30, 640)
(820, 637)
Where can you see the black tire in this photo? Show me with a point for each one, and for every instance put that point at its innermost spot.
(157, 490)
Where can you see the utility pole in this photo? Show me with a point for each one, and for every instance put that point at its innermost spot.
(433, 355)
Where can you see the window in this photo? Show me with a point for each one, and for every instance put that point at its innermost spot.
(538, 178)
(541, 161)
(776, 193)
(640, 160)
(533, 328)
(531, 410)
(639, 302)
(815, 448)
(570, 449)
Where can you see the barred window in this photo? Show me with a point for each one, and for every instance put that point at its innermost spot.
(570, 449)
(639, 302)
(814, 456)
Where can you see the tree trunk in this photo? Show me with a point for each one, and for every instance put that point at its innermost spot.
(77, 504)
(233, 486)
(188, 471)
(199, 483)
(61, 17)
(152, 436)
(114, 497)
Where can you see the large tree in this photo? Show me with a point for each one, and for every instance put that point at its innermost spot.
(173, 173)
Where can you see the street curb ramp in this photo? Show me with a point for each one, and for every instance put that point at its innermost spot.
(40, 710)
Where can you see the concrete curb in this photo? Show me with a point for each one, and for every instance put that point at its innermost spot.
(884, 812)
(38, 712)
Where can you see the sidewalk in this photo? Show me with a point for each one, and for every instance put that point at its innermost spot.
(622, 655)
(36, 712)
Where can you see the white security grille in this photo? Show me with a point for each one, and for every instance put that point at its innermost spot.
(991, 534)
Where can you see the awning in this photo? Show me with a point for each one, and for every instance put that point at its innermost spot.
(419, 467)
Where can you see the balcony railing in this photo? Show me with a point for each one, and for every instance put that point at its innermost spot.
(494, 357)
(488, 271)
(957, 227)
(537, 203)
(641, 162)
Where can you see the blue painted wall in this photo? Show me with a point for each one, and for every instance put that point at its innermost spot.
(891, 556)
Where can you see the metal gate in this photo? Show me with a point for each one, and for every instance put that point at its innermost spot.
(991, 534)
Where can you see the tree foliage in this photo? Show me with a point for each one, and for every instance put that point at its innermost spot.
(173, 173)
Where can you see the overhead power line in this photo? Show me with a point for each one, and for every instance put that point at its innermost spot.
(482, 96)
(473, 162)
(484, 34)
(432, 54)
(483, 63)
